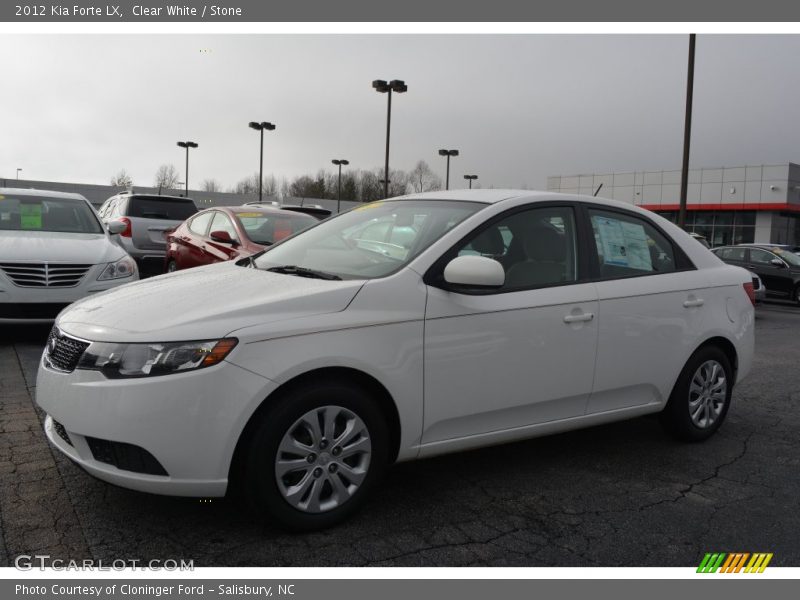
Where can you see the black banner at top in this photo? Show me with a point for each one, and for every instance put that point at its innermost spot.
(248, 11)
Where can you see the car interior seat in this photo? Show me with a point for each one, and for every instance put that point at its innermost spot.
(545, 259)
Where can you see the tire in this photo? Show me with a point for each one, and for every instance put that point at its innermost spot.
(321, 481)
(172, 266)
(796, 294)
(700, 399)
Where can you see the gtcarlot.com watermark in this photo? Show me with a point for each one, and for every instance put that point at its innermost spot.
(27, 562)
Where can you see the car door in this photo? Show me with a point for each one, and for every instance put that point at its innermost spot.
(776, 278)
(499, 361)
(652, 302)
(191, 241)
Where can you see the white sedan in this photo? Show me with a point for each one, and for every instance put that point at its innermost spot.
(54, 250)
(301, 373)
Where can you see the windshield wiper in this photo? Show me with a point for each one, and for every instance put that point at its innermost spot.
(303, 272)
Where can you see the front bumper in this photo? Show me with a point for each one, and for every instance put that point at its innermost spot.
(189, 422)
(42, 304)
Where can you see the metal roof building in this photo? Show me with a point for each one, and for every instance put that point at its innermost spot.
(726, 204)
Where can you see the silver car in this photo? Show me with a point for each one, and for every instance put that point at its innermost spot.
(147, 219)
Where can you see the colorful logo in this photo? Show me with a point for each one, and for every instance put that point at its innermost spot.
(735, 562)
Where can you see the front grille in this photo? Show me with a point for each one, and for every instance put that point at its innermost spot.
(37, 275)
(63, 353)
(31, 310)
(62, 433)
(125, 456)
(756, 284)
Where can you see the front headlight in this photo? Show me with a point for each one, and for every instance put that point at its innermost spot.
(124, 267)
(117, 361)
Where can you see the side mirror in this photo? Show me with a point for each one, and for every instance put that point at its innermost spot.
(116, 227)
(777, 262)
(222, 236)
(475, 271)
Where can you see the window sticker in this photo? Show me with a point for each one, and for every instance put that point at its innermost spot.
(30, 216)
(624, 244)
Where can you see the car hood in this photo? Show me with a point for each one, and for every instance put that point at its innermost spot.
(202, 303)
(49, 246)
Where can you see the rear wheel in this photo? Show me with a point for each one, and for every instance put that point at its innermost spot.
(796, 294)
(172, 266)
(315, 455)
(701, 397)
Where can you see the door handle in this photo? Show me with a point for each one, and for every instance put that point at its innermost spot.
(578, 318)
(693, 303)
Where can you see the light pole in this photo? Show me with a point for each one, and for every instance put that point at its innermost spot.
(687, 133)
(339, 162)
(395, 85)
(18, 170)
(448, 154)
(261, 127)
(187, 145)
(471, 178)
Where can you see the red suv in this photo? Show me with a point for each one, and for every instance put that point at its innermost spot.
(229, 233)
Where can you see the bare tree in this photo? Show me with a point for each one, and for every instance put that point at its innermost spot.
(249, 185)
(423, 179)
(211, 185)
(166, 177)
(122, 179)
(370, 185)
(398, 182)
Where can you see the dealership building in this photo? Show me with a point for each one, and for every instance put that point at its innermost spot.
(729, 205)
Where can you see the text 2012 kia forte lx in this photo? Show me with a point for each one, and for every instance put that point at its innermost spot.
(398, 330)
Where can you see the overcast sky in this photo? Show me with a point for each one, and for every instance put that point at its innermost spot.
(79, 108)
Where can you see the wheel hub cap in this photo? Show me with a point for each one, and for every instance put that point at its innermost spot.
(708, 393)
(323, 459)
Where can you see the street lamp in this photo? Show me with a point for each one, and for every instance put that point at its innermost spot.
(471, 178)
(261, 127)
(395, 85)
(18, 170)
(187, 145)
(448, 154)
(339, 162)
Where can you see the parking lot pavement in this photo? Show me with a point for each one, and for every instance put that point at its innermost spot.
(618, 495)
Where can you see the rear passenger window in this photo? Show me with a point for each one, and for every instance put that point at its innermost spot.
(199, 224)
(735, 254)
(628, 246)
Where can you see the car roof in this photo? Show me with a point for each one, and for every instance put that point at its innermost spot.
(267, 210)
(508, 195)
(154, 196)
(40, 193)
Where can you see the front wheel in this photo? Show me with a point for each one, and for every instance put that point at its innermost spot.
(315, 455)
(172, 266)
(796, 294)
(701, 397)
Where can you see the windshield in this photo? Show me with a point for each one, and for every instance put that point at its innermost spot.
(269, 228)
(64, 215)
(789, 257)
(373, 240)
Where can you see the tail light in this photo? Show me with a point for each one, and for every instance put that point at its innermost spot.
(748, 289)
(127, 233)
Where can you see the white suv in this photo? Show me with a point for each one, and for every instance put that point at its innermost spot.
(302, 372)
(54, 250)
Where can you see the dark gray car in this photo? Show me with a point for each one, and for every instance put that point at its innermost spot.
(777, 267)
(147, 218)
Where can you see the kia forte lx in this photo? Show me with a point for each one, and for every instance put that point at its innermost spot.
(398, 330)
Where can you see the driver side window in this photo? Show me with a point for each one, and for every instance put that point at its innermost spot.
(536, 247)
